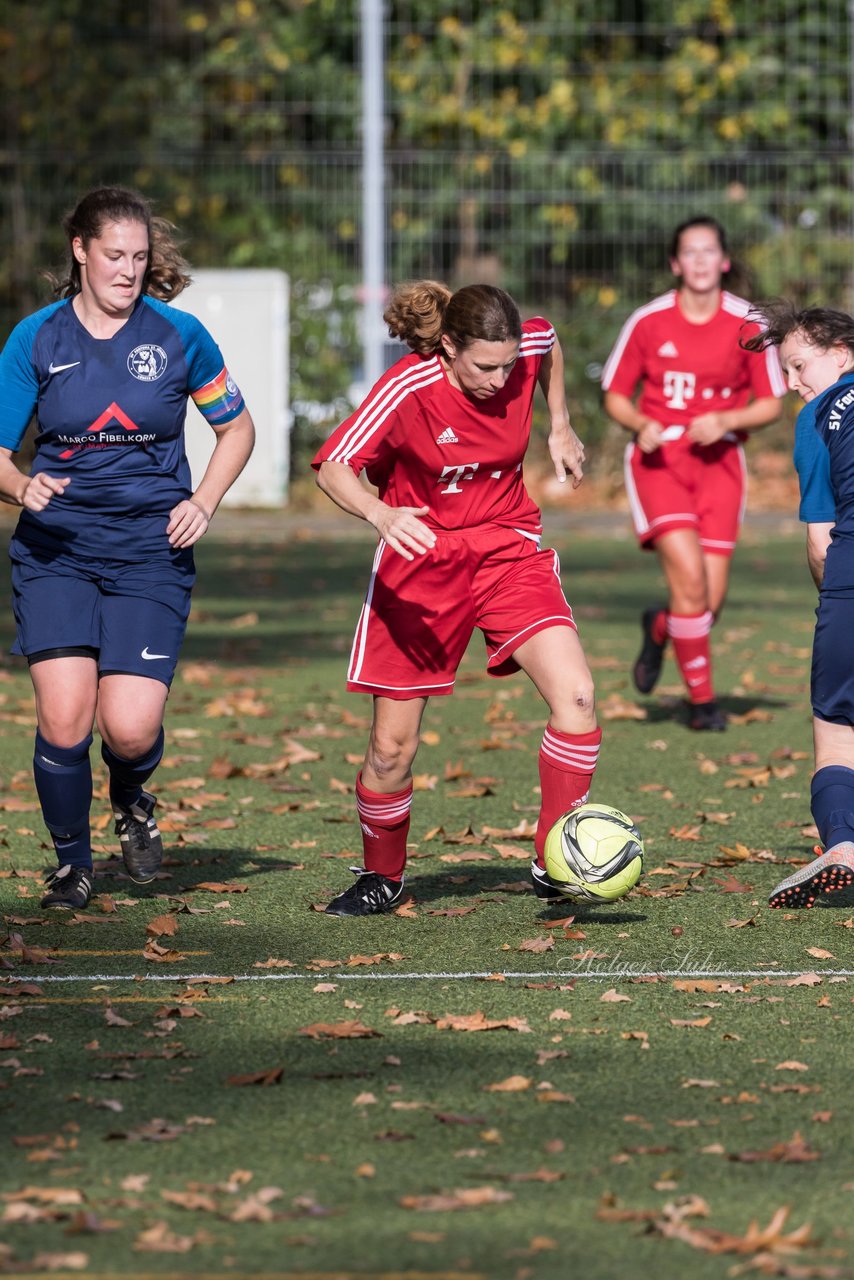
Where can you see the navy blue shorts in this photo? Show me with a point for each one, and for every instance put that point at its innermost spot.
(133, 615)
(832, 681)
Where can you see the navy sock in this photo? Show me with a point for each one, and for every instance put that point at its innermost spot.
(832, 804)
(63, 777)
(127, 776)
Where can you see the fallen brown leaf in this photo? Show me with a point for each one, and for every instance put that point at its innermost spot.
(213, 886)
(349, 1030)
(162, 925)
(536, 945)
(479, 1022)
(392, 956)
(461, 1198)
(795, 1151)
(264, 1078)
(513, 1084)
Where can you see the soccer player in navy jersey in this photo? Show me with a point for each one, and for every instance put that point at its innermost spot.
(700, 393)
(816, 348)
(443, 435)
(102, 561)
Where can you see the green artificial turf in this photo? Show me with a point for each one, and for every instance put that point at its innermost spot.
(663, 1073)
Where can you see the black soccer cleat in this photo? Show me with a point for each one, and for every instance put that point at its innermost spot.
(69, 888)
(826, 874)
(706, 717)
(647, 668)
(142, 846)
(372, 893)
(545, 887)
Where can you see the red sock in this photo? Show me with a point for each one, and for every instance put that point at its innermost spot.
(659, 627)
(384, 820)
(567, 763)
(690, 636)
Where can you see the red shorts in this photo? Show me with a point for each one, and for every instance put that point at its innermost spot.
(419, 615)
(685, 486)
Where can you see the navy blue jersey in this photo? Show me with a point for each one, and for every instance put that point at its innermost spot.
(111, 417)
(834, 424)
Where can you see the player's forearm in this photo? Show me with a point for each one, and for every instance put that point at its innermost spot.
(623, 412)
(340, 483)
(13, 483)
(232, 451)
(818, 540)
(751, 417)
(552, 382)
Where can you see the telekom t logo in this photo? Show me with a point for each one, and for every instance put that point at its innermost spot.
(455, 474)
(678, 388)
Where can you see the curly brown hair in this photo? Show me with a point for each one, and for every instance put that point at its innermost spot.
(420, 312)
(167, 272)
(822, 327)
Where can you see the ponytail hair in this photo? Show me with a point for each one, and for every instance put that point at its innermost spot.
(420, 312)
(416, 315)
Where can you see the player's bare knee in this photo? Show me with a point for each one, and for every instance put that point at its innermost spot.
(390, 758)
(63, 735)
(691, 600)
(584, 698)
(129, 746)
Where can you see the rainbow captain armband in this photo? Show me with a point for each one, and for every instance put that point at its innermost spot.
(219, 400)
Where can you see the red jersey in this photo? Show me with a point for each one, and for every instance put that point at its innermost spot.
(426, 444)
(688, 369)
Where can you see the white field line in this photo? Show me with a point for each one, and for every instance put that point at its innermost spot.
(625, 973)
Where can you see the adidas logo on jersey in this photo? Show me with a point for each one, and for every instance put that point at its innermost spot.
(447, 437)
(667, 349)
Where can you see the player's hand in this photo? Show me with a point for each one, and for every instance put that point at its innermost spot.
(187, 522)
(567, 454)
(650, 436)
(401, 529)
(708, 428)
(41, 489)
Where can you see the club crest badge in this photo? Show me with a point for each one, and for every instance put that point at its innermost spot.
(148, 362)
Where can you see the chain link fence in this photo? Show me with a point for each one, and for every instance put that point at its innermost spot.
(546, 145)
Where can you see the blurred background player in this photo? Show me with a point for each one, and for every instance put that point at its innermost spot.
(102, 565)
(700, 393)
(442, 435)
(817, 353)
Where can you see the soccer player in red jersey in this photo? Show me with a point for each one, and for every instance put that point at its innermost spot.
(700, 394)
(442, 435)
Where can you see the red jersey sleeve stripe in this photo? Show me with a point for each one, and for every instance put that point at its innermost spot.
(380, 404)
(538, 341)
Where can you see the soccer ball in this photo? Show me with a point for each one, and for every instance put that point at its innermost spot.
(594, 853)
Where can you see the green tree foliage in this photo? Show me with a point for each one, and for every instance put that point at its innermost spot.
(549, 146)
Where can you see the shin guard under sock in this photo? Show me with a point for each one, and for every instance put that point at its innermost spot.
(127, 776)
(63, 777)
(689, 634)
(567, 762)
(832, 804)
(384, 820)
